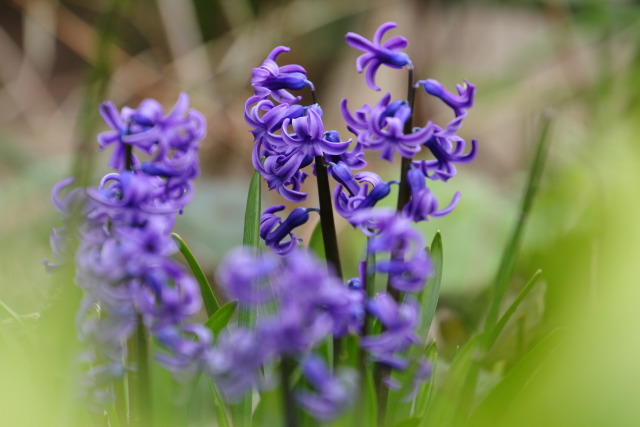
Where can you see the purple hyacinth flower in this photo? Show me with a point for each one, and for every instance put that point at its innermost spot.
(378, 53)
(186, 349)
(354, 158)
(392, 233)
(309, 136)
(274, 231)
(358, 196)
(399, 322)
(235, 361)
(459, 103)
(382, 128)
(245, 277)
(146, 129)
(423, 203)
(264, 126)
(446, 146)
(271, 79)
(282, 173)
(333, 394)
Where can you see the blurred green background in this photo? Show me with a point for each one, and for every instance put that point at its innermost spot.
(578, 61)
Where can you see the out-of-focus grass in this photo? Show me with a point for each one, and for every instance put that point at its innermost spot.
(579, 57)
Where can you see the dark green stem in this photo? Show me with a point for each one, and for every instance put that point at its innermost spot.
(326, 216)
(287, 366)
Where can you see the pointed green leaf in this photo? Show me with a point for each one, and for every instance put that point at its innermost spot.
(515, 381)
(452, 397)
(495, 332)
(210, 302)
(220, 318)
(251, 236)
(241, 412)
(428, 297)
(507, 263)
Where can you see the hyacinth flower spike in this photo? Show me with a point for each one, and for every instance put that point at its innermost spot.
(377, 53)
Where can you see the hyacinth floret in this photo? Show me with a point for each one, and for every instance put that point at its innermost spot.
(278, 234)
(423, 203)
(399, 322)
(377, 53)
(333, 393)
(271, 79)
(381, 128)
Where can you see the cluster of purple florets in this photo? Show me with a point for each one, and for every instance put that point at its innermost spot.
(288, 137)
(123, 261)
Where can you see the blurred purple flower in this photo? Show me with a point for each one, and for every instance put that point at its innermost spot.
(378, 53)
(334, 393)
(399, 323)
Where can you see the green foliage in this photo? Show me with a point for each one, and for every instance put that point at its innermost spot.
(211, 304)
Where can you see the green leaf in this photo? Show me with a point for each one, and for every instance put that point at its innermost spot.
(241, 412)
(316, 244)
(495, 332)
(428, 297)
(409, 422)
(219, 406)
(370, 416)
(426, 390)
(515, 381)
(452, 397)
(251, 236)
(507, 263)
(211, 304)
(220, 318)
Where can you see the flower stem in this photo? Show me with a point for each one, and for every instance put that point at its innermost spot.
(139, 380)
(286, 370)
(326, 216)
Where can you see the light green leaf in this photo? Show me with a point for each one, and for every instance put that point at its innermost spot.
(241, 412)
(220, 318)
(495, 332)
(509, 255)
(220, 407)
(515, 381)
(211, 304)
(428, 297)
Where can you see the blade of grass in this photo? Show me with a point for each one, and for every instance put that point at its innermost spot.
(241, 412)
(220, 318)
(495, 332)
(211, 304)
(507, 263)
